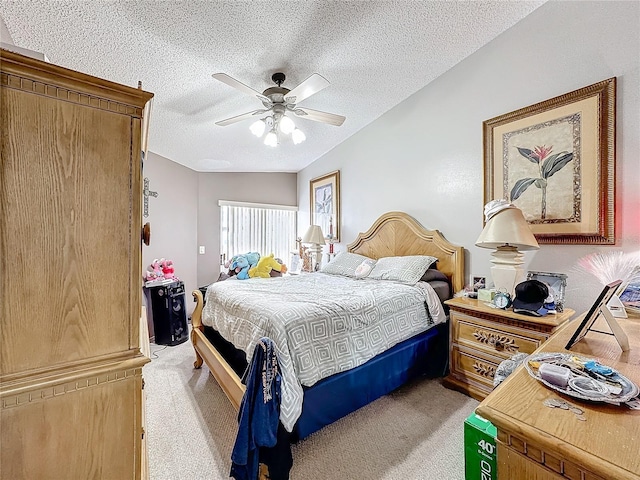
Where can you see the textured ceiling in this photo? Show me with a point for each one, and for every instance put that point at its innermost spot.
(374, 53)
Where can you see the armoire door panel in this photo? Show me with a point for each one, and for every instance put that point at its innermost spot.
(68, 201)
(75, 434)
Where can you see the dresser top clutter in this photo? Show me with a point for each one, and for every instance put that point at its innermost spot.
(542, 442)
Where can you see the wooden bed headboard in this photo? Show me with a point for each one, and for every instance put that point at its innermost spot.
(399, 234)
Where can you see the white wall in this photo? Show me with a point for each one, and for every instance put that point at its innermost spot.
(173, 216)
(424, 156)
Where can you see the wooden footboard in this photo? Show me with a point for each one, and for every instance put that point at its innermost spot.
(220, 369)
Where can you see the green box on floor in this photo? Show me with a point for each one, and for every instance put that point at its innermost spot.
(479, 449)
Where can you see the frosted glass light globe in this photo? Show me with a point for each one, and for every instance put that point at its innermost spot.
(286, 125)
(298, 136)
(257, 128)
(271, 139)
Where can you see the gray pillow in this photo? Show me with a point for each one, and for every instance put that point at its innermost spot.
(442, 289)
(407, 269)
(345, 264)
(432, 274)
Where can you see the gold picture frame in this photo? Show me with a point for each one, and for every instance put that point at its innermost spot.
(324, 204)
(555, 160)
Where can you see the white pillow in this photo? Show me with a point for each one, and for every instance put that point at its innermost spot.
(345, 264)
(408, 269)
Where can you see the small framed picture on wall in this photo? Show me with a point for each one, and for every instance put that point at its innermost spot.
(325, 205)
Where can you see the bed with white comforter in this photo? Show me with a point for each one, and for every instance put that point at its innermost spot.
(321, 324)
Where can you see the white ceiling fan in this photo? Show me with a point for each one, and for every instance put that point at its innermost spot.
(279, 101)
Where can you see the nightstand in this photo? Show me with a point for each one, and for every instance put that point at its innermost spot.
(480, 337)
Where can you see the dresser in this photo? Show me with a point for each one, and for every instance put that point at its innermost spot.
(540, 443)
(482, 336)
(71, 353)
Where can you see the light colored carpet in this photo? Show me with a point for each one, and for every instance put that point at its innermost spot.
(415, 433)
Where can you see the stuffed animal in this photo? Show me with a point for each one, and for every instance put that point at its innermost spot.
(167, 268)
(154, 271)
(283, 269)
(264, 267)
(253, 258)
(239, 265)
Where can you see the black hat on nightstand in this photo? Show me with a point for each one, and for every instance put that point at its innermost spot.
(530, 298)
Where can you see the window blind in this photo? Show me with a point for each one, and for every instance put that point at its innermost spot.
(262, 228)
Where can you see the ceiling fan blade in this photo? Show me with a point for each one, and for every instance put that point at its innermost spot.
(232, 82)
(311, 85)
(318, 116)
(239, 118)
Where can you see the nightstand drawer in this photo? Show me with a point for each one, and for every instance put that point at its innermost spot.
(471, 366)
(501, 340)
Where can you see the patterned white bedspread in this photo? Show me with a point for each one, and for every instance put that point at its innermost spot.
(321, 324)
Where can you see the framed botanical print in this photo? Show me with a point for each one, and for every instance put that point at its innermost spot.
(555, 160)
(325, 204)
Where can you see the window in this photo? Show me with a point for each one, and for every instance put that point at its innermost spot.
(254, 227)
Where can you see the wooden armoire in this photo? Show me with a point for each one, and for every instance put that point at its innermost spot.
(71, 353)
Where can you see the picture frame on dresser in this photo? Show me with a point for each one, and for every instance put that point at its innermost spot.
(557, 283)
(630, 296)
(555, 160)
(598, 308)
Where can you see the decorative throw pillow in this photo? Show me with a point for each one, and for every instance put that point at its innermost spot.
(345, 264)
(432, 274)
(365, 268)
(408, 269)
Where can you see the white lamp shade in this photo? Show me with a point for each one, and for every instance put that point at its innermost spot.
(313, 235)
(298, 136)
(286, 125)
(507, 227)
(507, 232)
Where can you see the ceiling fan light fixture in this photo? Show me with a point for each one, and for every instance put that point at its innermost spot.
(277, 102)
(257, 128)
(298, 136)
(271, 139)
(286, 125)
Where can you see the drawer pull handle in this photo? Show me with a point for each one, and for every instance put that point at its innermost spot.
(499, 342)
(484, 369)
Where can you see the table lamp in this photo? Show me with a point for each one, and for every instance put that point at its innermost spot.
(507, 231)
(315, 238)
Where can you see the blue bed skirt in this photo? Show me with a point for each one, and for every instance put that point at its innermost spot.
(334, 397)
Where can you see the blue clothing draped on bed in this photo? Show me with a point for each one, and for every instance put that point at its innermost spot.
(259, 438)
